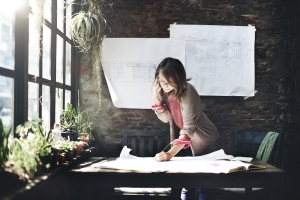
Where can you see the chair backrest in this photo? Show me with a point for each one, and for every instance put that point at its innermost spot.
(145, 143)
(247, 144)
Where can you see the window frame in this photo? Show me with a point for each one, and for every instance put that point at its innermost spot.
(20, 72)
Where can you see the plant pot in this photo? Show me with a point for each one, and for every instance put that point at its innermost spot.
(61, 159)
(38, 168)
(65, 135)
(54, 160)
(69, 156)
(92, 141)
(79, 147)
(46, 161)
(86, 140)
(73, 136)
(84, 135)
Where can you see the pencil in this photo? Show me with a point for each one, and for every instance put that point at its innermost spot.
(166, 146)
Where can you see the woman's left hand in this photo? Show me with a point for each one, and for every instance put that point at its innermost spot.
(155, 92)
(163, 156)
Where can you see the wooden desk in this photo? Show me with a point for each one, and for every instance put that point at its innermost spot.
(106, 178)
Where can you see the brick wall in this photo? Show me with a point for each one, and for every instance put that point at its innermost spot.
(268, 110)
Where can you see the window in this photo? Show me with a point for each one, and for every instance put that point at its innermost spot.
(5, 33)
(7, 74)
(36, 69)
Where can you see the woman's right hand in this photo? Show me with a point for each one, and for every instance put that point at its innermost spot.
(155, 93)
(163, 156)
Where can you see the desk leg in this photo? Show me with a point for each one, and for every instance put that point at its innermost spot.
(103, 193)
(248, 193)
(85, 191)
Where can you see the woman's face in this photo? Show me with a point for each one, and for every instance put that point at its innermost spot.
(164, 84)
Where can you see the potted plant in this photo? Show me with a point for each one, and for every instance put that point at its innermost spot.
(80, 145)
(61, 158)
(84, 127)
(70, 147)
(61, 152)
(39, 141)
(44, 153)
(22, 154)
(30, 128)
(66, 147)
(8, 180)
(4, 134)
(21, 160)
(67, 117)
(68, 122)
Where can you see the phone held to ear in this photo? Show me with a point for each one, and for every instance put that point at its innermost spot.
(157, 81)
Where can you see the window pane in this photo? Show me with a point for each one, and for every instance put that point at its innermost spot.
(68, 63)
(59, 59)
(6, 100)
(46, 52)
(46, 106)
(47, 10)
(34, 47)
(60, 15)
(68, 18)
(58, 104)
(6, 36)
(67, 97)
(33, 101)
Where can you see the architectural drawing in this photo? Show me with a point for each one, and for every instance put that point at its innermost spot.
(219, 59)
(130, 71)
(129, 66)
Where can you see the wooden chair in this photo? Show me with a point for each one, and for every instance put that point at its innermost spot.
(247, 144)
(144, 143)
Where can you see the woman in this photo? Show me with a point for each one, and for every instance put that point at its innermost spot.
(177, 102)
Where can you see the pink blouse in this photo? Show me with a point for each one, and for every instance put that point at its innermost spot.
(174, 106)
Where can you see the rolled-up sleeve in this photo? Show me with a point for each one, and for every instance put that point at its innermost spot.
(183, 139)
(155, 107)
(161, 112)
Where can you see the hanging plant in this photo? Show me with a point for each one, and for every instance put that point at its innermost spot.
(87, 29)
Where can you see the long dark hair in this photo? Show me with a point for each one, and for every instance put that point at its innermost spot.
(174, 72)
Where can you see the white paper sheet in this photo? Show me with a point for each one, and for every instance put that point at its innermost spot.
(219, 59)
(205, 163)
(129, 66)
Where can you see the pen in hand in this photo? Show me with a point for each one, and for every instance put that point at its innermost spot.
(166, 146)
(158, 157)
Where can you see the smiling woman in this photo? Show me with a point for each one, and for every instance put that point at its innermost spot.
(167, 87)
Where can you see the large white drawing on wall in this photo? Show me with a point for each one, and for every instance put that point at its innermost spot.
(129, 67)
(130, 71)
(219, 59)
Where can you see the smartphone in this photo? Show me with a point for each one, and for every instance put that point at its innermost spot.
(158, 81)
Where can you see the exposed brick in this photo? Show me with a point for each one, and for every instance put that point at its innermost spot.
(151, 7)
(162, 3)
(276, 37)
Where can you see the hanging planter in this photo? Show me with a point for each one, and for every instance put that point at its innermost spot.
(87, 29)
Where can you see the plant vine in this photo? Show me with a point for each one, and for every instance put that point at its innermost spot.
(88, 32)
